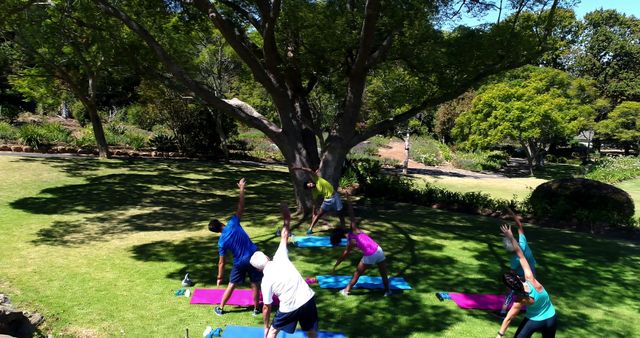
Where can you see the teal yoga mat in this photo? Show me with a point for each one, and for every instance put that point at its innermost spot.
(232, 331)
(315, 242)
(364, 282)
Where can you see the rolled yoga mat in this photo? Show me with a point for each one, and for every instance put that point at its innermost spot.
(232, 331)
(239, 297)
(315, 242)
(364, 282)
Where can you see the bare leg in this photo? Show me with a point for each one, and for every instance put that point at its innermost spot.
(382, 266)
(227, 295)
(359, 271)
(256, 295)
(316, 218)
(312, 334)
(273, 332)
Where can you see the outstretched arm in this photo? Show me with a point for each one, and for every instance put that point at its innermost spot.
(345, 253)
(517, 219)
(506, 230)
(240, 209)
(513, 312)
(286, 216)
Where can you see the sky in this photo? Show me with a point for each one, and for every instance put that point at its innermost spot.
(629, 7)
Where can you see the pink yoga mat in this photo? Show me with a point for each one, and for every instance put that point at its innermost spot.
(477, 301)
(240, 297)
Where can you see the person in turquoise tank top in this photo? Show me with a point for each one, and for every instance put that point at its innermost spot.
(541, 314)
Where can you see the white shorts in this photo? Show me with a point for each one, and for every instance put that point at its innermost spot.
(377, 257)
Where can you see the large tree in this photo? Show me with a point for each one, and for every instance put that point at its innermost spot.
(69, 46)
(623, 125)
(532, 107)
(608, 50)
(298, 50)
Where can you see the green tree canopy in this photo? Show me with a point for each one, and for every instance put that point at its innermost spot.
(623, 125)
(530, 106)
(608, 51)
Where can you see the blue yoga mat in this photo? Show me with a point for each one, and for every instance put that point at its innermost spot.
(364, 282)
(258, 332)
(315, 241)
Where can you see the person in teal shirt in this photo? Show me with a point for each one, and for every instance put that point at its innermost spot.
(331, 201)
(514, 260)
(541, 314)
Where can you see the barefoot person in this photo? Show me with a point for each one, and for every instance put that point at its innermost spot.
(281, 278)
(331, 198)
(541, 315)
(373, 254)
(515, 260)
(233, 238)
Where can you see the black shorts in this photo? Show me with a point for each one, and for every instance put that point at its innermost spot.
(240, 271)
(307, 315)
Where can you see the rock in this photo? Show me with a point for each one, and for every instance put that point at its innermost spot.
(16, 148)
(5, 147)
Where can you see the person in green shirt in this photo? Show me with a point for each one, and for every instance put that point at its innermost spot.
(331, 201)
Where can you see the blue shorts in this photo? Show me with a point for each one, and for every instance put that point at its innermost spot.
(240, 271)
(307, 315)
(332, 204)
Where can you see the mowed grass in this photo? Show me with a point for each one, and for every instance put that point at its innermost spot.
(99, 247)
(504, 188)
(633, 188)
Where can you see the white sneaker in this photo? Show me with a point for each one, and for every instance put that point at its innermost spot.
(388, 294)
(344, 292)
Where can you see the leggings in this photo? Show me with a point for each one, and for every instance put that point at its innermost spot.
(527, 327)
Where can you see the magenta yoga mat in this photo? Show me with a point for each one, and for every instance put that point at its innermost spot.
(477, 301)
(239, 297)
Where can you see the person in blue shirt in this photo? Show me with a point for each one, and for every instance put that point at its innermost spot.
(233, 238)
(515, 260)
(541, 314)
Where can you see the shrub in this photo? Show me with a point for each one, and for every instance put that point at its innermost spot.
(426, 151)
(480, 160)
(9, 113)
(588, 204)
(163, 142)
(374, 182)
(614, 169)
(79, 113)
(39, 135)
(85, 138)
(135, 140)
(365, 148)
(8, 132)
(31, 135)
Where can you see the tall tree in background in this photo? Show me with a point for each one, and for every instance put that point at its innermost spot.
(532, 107)
(623, 126)
(294, 47)
(67, 44)
(608, 50)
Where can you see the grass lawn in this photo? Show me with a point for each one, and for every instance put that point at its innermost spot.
(633, 188)
(505, 188)
(99, 247)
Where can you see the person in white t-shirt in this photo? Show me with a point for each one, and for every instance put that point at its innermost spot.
(281, 278)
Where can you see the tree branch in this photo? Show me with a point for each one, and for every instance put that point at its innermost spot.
(235, 108)
(367, 34)
(382, 50)
(255, 22)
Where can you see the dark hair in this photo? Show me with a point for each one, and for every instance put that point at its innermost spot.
(513, 282)
(336, 236)
(306, 184)
(215, 225)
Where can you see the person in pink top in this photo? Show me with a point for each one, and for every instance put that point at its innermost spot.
(372, 253)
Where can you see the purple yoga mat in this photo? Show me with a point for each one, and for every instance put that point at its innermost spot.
(477, 301)
(240, 297)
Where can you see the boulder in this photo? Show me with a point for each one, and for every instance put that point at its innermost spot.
(16, 323)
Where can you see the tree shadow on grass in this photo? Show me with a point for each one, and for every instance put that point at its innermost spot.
(112, 205)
